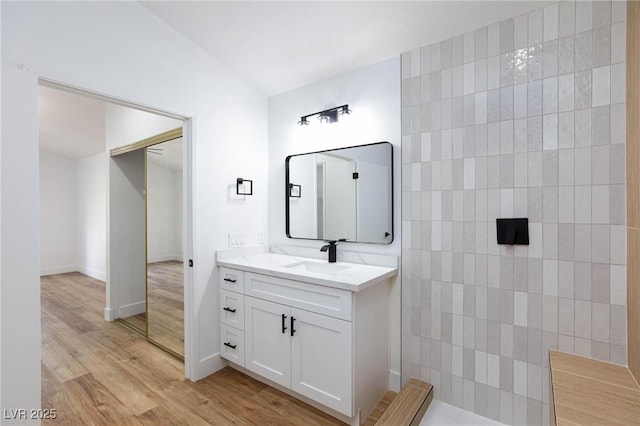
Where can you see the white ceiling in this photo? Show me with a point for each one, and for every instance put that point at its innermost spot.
(70, 125)
(279, 46)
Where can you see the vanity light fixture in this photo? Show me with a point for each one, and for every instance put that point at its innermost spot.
(303, 121)
(241, 189)
(327, 116)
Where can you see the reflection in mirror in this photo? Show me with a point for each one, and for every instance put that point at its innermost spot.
(165, 277)
(344, 193)
(127, 188)
(146, 212)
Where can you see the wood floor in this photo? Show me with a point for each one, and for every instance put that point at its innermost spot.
(166, 304)
(100, 373)
(165, 294)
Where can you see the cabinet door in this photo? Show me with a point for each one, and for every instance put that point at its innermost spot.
(268, 343)
(321, 363)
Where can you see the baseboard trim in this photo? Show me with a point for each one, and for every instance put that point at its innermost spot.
(207, 366)
(395, 383)
(166, 258)
(98, 275)
(65, 269)
(132, 309)
(108, 314)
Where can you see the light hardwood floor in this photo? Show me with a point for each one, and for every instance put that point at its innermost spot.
(166, 304)
(95, 372)
(165, 294)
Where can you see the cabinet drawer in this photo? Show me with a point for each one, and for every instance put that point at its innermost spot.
(329, 301)
(231, 279)
(232, 309)
(232, 344)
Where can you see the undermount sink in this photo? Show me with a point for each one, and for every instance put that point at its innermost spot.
(318, 267)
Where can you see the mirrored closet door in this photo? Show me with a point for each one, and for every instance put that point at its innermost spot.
(165, 277)
(148, 269)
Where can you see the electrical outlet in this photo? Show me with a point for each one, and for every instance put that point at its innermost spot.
(260, 237)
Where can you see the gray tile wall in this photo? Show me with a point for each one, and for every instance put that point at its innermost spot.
(524, 118)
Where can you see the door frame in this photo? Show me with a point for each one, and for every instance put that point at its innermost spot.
(190, 336)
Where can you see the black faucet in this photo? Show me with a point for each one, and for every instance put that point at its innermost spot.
(331, 247)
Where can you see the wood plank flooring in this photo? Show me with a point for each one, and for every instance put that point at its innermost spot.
(166, 304)
(165, 294)
(100, 373)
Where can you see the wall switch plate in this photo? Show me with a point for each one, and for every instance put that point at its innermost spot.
(260, 237)
(236, 240)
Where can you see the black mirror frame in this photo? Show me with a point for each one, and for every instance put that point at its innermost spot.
(287, 187)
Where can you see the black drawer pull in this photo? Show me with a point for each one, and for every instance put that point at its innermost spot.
(229, 280)
(293, 330)
(229, 309)
(284, 327)
(230, 345)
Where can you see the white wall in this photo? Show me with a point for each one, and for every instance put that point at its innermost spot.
(126, 285)
(91, 216)
(373, 94)
(57, 214)
(124, 125)
(20, 350)
(148, 63)
(164, 211)
(73, 215)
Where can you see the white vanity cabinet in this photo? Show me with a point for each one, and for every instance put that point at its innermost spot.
(327, 345)
(267, 340)
(321, 361)
(304, 351)
(232, 342)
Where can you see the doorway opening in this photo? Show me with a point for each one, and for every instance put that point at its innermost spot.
(78, 129)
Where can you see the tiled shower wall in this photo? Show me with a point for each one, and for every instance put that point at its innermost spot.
(524, 118)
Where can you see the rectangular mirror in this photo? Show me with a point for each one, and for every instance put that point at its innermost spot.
(343, 193)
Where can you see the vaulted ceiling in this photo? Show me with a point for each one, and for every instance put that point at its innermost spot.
(281, 45)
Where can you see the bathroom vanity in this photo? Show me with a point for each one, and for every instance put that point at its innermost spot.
(316, 330)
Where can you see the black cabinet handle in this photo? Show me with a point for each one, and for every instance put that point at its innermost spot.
(229, 309)
(284, 327)
(230, 345)
(293, 330)
(229, 280)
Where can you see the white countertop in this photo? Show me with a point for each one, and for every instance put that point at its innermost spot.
(348, 276)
